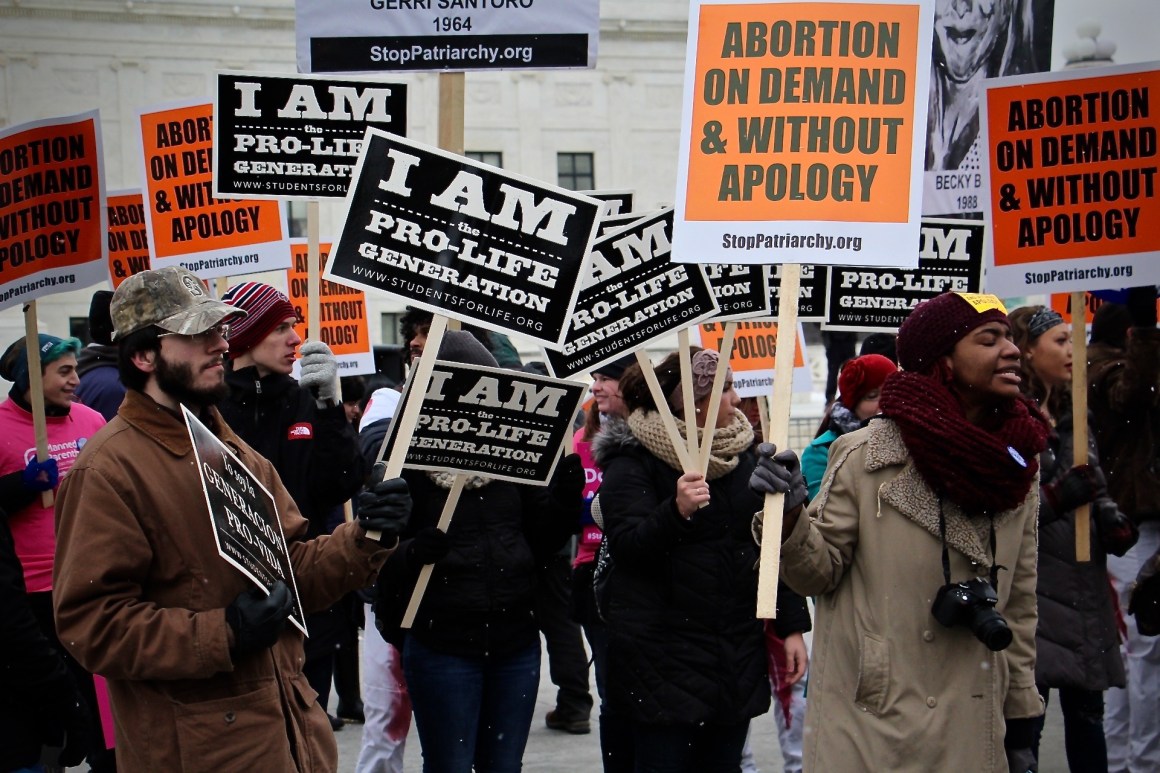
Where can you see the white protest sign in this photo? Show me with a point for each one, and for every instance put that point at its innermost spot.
(378, 35)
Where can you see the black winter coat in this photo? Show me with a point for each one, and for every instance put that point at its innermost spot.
(685, 646)
(480, 597)
(1077, 641)
(315, 450)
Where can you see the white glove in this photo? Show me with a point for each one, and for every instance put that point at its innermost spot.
(319, 373)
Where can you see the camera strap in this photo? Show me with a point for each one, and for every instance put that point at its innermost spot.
(946, 556)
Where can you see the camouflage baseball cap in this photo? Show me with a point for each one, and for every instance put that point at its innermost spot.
(171, 298)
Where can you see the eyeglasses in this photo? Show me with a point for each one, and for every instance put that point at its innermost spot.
(221, 329)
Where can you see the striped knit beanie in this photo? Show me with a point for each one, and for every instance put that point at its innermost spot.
(266, 308)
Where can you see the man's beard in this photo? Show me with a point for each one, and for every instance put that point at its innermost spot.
(176, 379)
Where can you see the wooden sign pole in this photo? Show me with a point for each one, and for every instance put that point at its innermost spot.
(1079, 422)
(770, 563)
(425, 573)
(654, 388)
(36, 391)
(314, 277)
(715, 395)
(689, 400)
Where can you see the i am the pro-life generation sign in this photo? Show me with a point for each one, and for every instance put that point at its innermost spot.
(464, 239)
(296, 136)
(245, 520)
(494, 422)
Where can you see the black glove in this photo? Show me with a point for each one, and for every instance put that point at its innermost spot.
(1141, 303)
(1116, 532)
(1078, 486)
(385, 506)
(779, 473)
(567, 485)
(428, 546)
(257, 619)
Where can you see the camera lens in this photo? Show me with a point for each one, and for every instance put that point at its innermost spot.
(991, 629)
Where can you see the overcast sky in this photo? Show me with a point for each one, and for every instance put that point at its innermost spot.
(1130, 24)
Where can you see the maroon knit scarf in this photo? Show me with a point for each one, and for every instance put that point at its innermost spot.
(984, 468)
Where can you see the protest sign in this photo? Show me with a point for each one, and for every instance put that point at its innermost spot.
(500, 423)
(296, 136)
(52, 208)
(633, 294)
(357, 36)
(187, 225)
(128, 235)
(753, 357)
(741, 290)
(342, 312)
(950, 257)
(972, 42)
(243, 516)
(801, 135)
(1072, 180)
(1061, 302)
(464, 239)
(615, 202)
(811, 293)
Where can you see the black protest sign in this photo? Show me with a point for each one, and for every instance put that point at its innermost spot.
(741, 289)
(950, 257)
(811, 293)
(245, 521)
(615, 202)
(464, 239)
(296, 136)
(494, 422)
(634, 293)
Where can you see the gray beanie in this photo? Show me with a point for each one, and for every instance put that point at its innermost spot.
(462, 347)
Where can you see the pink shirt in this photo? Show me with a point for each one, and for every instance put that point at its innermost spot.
(590, 533)
(33, 528)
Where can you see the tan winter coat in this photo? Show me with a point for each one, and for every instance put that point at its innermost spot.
(891, 688)
(140, 596)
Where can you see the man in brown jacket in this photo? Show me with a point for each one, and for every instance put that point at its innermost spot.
(204, 673)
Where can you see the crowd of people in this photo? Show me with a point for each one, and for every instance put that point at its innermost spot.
(932, 520)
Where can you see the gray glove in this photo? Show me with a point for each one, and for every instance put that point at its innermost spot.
(319, 373)
(779, 473)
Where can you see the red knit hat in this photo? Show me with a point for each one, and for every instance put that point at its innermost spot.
(265, 307)
(861, 376)
(936, 325)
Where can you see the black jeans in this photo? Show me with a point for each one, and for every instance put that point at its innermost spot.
(567, 660)
(692, 748)
(1083, 728)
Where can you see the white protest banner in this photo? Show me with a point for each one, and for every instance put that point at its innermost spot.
(633, 294)
(972, 42)
(188, 226)
(1072, 180)
(296, 136)
(245, 521)
(52, 208)
(464, 239)
(379, 35)
(499, 423)
(342, 312)
(950, 257)
(811, 293)
(802, 131)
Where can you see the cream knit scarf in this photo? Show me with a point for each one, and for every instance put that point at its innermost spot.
(728, 442)
(444, 480)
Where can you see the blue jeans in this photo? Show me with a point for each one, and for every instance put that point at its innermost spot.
(700, 748)
(472, 710)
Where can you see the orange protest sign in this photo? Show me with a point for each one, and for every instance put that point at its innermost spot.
(128, 236)
(187, 225)
(1073, 180)
(754, 354)
(1061, 302)
(343, 311)
(804, 113)
(52, 207)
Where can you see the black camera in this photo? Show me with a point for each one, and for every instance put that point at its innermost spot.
(972, 603)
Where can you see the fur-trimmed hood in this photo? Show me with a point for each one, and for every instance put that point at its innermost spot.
(613, 439)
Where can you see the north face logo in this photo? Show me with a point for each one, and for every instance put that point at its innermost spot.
(303, 431)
